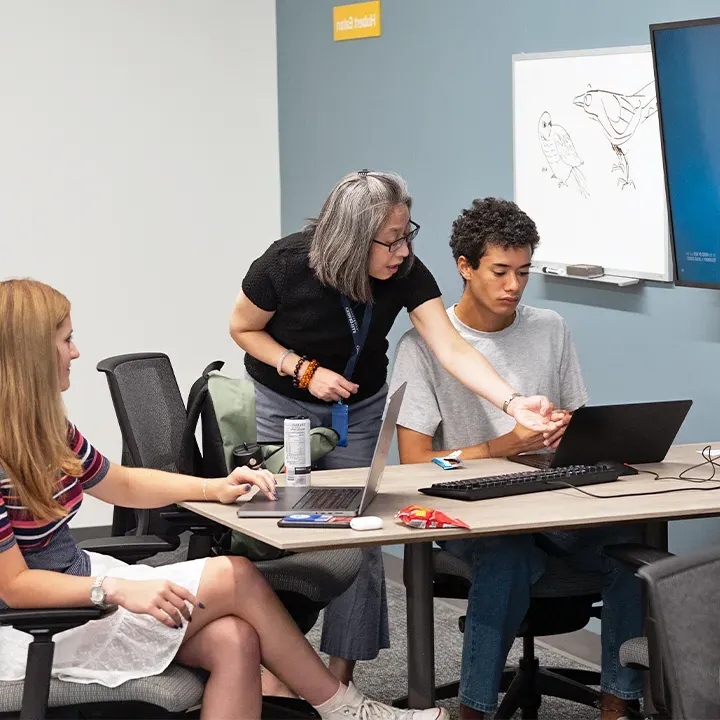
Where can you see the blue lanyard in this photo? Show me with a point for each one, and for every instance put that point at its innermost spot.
(359, 334)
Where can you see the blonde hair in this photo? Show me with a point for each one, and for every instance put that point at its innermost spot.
(34, 448)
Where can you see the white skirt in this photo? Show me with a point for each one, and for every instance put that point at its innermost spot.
(119, 647)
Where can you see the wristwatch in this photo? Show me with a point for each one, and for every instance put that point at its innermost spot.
(509, 400)
(98, 594)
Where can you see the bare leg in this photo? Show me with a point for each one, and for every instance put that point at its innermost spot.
(230, 650)
(272, 685)
(468, 713)
(342, 669)
(614, 708)
(233, 586)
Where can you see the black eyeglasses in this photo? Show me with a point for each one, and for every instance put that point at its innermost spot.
(397, 244)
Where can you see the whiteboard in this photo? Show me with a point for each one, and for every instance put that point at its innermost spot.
(587, 160)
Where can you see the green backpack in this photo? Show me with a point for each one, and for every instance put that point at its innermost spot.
(226, 407)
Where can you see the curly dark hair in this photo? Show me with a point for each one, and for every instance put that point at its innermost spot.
(491, 222)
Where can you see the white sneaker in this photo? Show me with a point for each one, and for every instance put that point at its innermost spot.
(356, 706)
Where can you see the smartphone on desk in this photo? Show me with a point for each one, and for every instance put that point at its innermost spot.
(315, 520)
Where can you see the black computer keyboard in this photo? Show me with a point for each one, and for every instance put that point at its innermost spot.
(523, 482)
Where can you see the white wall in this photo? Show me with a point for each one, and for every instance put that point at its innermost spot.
(139, 174)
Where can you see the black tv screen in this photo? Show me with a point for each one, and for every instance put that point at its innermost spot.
(686, 56)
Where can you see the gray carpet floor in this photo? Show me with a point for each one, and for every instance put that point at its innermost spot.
(386, 678)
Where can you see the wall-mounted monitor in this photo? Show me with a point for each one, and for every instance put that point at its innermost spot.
(686, 58)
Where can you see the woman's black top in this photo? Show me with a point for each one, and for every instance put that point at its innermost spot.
(309, 316)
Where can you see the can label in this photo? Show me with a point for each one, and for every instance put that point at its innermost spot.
(297, 451)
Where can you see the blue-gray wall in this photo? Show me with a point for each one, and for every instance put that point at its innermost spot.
(431, 99)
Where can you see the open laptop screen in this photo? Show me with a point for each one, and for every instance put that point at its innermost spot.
(382, 448)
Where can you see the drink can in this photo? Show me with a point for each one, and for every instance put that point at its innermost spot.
(297, 451)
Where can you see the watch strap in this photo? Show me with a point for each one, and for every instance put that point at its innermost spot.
(509, 400)
(97, 585)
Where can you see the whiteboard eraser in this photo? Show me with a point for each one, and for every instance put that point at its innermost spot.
(366, 522)
(585, 271)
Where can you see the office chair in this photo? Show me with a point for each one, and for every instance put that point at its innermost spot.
(151, 414)
(644, 653)
(678, 651)
(562, 601)
(170, 694)
(175, 693)
(684, 594)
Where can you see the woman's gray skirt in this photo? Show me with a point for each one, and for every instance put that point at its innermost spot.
(356, 623)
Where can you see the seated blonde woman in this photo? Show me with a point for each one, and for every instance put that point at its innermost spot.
(217, 613)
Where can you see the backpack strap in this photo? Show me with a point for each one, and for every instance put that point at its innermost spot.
(190, 460)
(215, 366)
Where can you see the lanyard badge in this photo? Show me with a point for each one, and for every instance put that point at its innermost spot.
(340, 414)
(340, 422)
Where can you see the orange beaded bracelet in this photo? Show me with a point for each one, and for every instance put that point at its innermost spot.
(310, 371)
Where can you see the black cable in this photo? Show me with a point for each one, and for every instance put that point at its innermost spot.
(640, 494)
(707, 455)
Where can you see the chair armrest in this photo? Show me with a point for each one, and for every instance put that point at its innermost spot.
(42, 624)
(131, 548)
(635, 555)
(50, 620)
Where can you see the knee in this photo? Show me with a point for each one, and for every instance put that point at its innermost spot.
(503, 561)
(224, 577)
(244, 574)
(231, 640)
(506, 548)
(230, 571)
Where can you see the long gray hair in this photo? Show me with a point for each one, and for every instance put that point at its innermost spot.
(342, 235)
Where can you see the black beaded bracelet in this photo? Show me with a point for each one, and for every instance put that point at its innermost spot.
(296, 379)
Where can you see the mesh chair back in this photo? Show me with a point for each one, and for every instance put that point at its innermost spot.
(684, 597)
(149, 408)
(150, 411)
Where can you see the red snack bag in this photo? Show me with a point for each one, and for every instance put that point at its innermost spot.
(425, 518)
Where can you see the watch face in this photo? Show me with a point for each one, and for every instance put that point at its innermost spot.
(97, 595)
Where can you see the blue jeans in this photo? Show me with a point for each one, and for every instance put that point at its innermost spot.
(504, 570)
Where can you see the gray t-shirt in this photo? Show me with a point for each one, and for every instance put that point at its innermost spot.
(535, 355)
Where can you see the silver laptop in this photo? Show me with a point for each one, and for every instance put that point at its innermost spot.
(340, 501)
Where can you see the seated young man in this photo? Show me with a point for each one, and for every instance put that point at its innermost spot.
(493, 242)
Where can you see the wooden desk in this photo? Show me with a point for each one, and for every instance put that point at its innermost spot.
(563, 508)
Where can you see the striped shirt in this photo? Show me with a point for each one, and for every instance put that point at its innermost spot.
(18, 526)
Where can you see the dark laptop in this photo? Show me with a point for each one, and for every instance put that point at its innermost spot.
(629, 434)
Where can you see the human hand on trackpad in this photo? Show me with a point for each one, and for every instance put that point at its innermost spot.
(248, 496)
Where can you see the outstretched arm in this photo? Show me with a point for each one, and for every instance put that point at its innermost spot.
(142, 488)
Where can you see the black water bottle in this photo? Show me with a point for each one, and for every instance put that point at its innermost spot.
(247, 455)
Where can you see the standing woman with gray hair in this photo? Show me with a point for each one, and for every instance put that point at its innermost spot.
(313, 318)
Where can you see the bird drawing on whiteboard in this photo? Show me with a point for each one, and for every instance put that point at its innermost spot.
(619, 117)
(560, 153)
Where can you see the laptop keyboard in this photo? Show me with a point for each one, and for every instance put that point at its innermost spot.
(328, 499)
